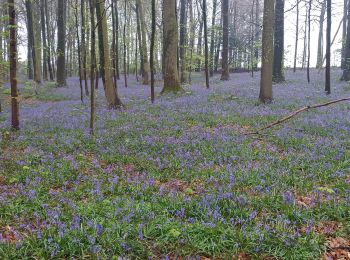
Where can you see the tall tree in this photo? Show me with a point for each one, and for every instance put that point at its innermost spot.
(206, 50)
(328, 47)
(79, 52)
(170, 41)
(33, 41)
(48, 51)
(319, 62)
(145, 64)
(83, 46)
(225, 66)
(183, 39)
(43, 33)
(346, 69)
(309, 42)
(278, 73)
(296, 36)
(92, 65)
(113, 100)
(61, 43)
(345, 25)
(266, 94)
(212, 38)
(13, 64)
(153, 36)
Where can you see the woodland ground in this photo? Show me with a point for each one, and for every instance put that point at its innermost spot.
(177, 178)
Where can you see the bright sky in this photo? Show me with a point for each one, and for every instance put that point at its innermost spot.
(290, 22)
(337, 16)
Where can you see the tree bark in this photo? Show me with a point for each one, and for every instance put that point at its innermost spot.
(225, 67)
(170, 41)
(266, 94)
(278, 74)
(346, 70)
(61, 43)
(153, 36)
(113, 100)
(145, 65)
(319, 62)
(212, 38)
(183, 39)
(296, 37)
(13, 64)
(328, 47)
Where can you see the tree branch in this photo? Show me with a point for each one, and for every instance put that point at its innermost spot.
(294, 113)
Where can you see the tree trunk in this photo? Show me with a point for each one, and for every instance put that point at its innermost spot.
(153, 36)
(319, 62)
(346, 70)
(266, 94)
(43, 33)
(296, 38)
(61, 43)
(48, 41)
(124, 41)
(145, 65)
(328, 47)
(83, 46)
(278, 74)
(170, 41)
(345, 25)
(93, 65)
(183, 39)
(13, 64)
(212, 39)
(225, 68)
(206, 51)
(309, 42)
(113, 100)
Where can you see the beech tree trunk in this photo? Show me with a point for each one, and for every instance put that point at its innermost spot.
(61, 43)
(183, 39)
(143, 40)
(13, 64)
(278, 74)
(170, 41)
(328, 47)
(319, 62)
(113, 100)
(346, 69)
(266, 94)
(225, 67)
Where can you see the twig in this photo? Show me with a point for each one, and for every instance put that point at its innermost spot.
(293, 114)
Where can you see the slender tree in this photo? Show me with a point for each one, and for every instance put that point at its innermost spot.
(212, 38)
(296, 36)
(346, 69)
(309, 42)
(61, 43)
(153, 36)
(328, 47)
(266, 94)
(93, 65)
(13, 64)
(183, 39)
(225, 66)
(319, 62)
(83, 46)
(278, 73)
(145, 64)
(206, 50)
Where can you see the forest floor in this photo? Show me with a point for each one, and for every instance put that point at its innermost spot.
(177, 178)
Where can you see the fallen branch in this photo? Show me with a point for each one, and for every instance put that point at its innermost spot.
(293, 114)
